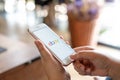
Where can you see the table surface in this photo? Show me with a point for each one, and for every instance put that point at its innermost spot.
(17, 53)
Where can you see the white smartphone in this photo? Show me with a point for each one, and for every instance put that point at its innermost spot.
(53, 42)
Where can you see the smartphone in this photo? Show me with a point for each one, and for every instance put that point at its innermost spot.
(53, 42)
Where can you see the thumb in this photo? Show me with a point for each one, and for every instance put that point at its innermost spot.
(43, 50)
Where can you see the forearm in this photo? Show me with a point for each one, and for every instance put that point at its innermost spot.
(114, 71)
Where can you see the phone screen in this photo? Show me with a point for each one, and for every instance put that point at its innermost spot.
(54, 43)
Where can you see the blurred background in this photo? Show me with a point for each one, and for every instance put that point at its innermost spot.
(16, 16)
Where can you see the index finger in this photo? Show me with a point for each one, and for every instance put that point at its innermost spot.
(77, 49)
(84, 54)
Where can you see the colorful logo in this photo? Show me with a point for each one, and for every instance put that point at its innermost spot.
(51, 43)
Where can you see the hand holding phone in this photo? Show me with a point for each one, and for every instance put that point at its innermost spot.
(53, 42)
(52, 67)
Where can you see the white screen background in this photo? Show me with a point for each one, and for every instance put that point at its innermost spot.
(60, 49)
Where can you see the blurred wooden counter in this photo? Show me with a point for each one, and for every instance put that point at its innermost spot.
(18, 61)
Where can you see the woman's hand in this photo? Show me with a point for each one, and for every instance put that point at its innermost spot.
(88, 62)
(53, 68)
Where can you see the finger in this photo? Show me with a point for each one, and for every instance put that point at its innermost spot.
(67, 42)
(61, 37)
(84, 54)
(83, 48)
(80, 68)
(43, 50)
(99, 72)
(88, 71)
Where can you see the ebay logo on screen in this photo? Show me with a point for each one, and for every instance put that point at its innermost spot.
(51, 43)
